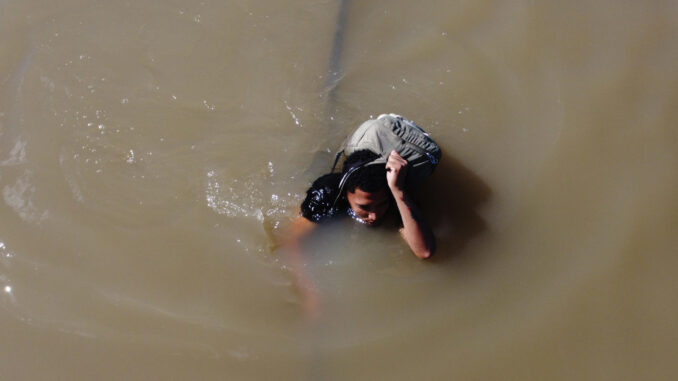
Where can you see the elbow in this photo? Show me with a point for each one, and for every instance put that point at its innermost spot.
(424, 254)
(427, 252)
(422, 248)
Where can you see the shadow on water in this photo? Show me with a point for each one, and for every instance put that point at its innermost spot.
(450, 200)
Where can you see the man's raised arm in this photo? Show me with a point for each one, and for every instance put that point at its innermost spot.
(416, 231)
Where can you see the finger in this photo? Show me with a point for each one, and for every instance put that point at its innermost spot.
(400, 162)
(395, 153)
(396, 156)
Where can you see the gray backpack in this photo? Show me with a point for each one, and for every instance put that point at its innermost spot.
(393, 132)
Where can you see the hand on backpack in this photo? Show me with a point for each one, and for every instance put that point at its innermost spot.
(396, 170)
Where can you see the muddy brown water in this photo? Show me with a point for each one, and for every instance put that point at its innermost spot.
(149, 152)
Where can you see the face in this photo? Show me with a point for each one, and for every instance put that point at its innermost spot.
(370, 207)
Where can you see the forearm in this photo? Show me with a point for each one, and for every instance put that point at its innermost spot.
(416, 231)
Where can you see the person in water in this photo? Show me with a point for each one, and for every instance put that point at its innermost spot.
(371, 193)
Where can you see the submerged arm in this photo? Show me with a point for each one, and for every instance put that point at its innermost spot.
(300, 228)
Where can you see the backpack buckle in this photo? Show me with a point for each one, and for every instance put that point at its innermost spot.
(432, 159)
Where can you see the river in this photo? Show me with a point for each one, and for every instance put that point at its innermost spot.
(153, 152)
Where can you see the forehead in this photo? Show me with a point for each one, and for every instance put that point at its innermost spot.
(363, 198)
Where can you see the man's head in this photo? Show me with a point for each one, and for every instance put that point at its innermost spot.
(366, 189)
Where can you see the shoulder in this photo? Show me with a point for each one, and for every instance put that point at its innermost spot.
(319, 203)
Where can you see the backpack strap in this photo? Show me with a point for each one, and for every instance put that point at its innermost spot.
(336, 160)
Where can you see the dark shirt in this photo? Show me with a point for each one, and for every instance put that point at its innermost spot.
(319, 203)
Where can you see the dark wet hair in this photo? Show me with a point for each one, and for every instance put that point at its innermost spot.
(370, 178)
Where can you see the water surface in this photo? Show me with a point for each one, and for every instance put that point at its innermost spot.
(150, 153)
